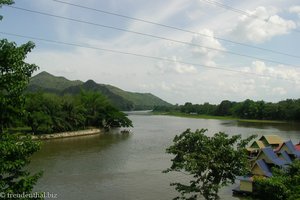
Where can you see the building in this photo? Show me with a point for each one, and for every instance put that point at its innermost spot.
(267, 152)
(271, 140)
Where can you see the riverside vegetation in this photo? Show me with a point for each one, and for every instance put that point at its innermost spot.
(286, 110)
(48, 113)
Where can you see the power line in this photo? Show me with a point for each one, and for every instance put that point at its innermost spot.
(223, 68)
(176, 28)
(243, 12)
(150, 35)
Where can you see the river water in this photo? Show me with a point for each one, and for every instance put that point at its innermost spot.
(127, 167)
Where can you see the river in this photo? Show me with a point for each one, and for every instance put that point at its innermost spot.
(127, 167)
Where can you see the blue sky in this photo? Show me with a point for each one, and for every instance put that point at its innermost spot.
(176, 82)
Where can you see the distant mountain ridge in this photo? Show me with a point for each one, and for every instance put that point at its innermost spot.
(123, 100)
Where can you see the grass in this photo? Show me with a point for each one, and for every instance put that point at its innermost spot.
(179, 114)
(262, 121)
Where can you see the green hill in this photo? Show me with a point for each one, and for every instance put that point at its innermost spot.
(121, 99)
(49, 83)
(140, 100)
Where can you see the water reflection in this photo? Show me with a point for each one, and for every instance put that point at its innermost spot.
(291, 126)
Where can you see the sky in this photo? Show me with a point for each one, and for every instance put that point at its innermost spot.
(217, 50)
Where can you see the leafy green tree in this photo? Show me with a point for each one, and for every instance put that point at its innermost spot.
(284, 184)
(14, 150)
(99, 112)
(213, 162)
(94, 104)
(36, 116)
(224, 108)
(14, 76)
(14, 156)
(73, 113)
(115, 118)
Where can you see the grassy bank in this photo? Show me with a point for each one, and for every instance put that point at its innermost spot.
(262, 121)
(179, 114)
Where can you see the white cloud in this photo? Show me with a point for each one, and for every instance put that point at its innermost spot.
(206, 55)
(166, 67)
(295, 9)
(280, 72)
(263, 26)
(279, 90)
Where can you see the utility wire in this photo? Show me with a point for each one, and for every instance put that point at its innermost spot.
(223, 68)
(243, 12)
(150, 35)
(176, 28)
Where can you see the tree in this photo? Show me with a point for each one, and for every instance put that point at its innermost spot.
(14, 150)
(224, 108)
(115, 118)
(36, 115)
(99, 111)
(14, 76)
(14, 156)
(94, 104)
(284, 184)
(213, 162)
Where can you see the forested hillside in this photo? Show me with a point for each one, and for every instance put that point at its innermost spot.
(123, 100)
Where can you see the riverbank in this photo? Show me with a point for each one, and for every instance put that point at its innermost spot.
(262, 121)
(179, 114)
(186, 115)
(67, 134)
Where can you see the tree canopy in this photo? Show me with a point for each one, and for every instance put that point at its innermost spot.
(49, 113)
(288, 109)
(15, 151)
(212, 162)
(14, 77)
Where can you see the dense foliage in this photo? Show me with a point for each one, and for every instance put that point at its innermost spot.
(14, 156)
(48, 113)
(212, 162)
(284, 184)
(284, 110)
(14, 76)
